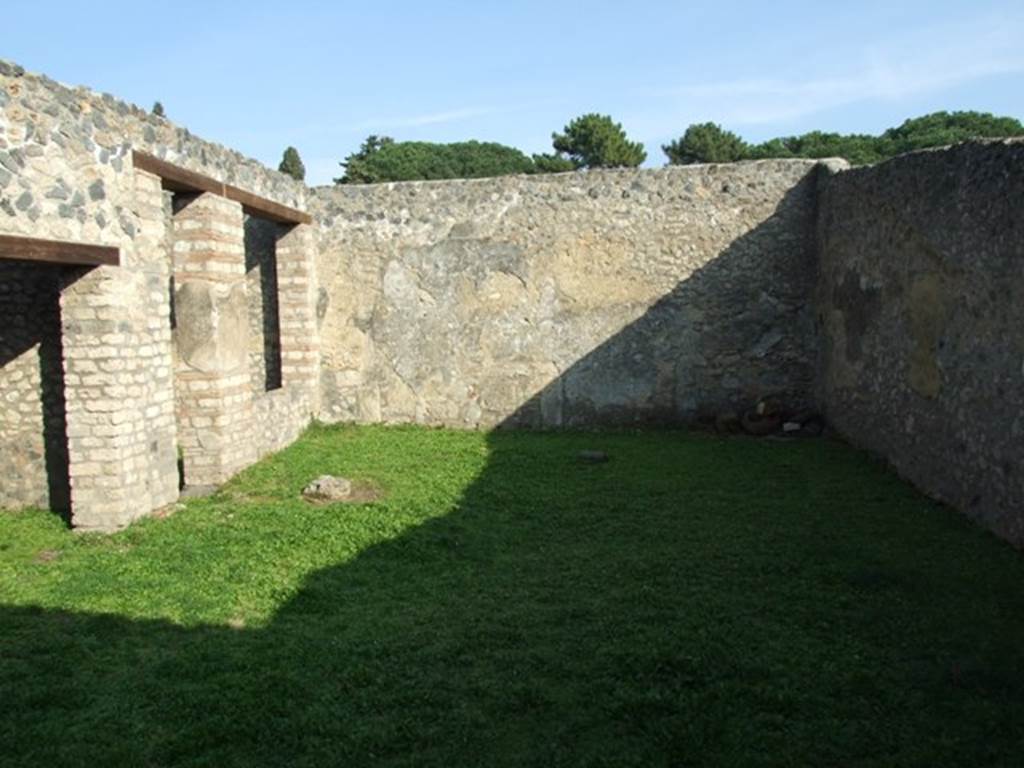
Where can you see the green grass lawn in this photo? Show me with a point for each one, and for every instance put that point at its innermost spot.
(695, 601)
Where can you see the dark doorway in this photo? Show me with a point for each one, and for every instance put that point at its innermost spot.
(264, 322)
(33, 425)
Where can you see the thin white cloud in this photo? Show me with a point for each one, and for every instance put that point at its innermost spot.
(430, 118)
(397, 122)
(929, 60)
(322, 170)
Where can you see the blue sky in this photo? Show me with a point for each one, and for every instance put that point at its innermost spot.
(258, 76)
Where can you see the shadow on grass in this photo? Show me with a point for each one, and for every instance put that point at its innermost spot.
(694, 601)
(648, 611)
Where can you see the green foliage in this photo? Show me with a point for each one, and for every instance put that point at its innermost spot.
(940, 128)
(383, 159)
(737, 602)
(706, 143)
(859, 149)
(550, 163)
(158, 109)
(359, 166)
(596, 141)
(291, 164)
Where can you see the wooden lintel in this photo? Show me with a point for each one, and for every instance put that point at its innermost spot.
(58, 251)
(178, 179)
(268, 209)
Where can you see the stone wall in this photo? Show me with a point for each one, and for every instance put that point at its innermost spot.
(921, 304)
(66, 173)
(116, 335)
(892, 297)
(65, 161)
(567, 300)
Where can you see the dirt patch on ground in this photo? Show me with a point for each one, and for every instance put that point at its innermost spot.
(363, 492)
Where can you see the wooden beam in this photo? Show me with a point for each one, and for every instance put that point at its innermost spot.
(180, 179)
(57, 251)
(268, 209)
(175, 177)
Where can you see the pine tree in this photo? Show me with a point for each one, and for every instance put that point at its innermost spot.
(158, 109)
(706, 143)
(291, 164)
(596, 141)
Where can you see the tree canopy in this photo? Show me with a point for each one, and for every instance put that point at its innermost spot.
(706, 143)
(709, 143)
(158, 109)
(596, 141)
(291, 164)
(940, 128)
(551, 163)
(381, 158)
(859, 149)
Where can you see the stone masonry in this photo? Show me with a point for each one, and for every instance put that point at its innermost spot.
(921, 304)
(607, 297)
(118, 384)
(90, 404)
(890, 298)
(214, 394)
(298, 301)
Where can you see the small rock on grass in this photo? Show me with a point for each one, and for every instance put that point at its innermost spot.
(592, 457)
(328, 488)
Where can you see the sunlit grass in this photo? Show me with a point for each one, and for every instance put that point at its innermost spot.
(693, 601)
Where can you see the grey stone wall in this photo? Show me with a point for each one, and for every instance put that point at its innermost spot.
(66, 174)
(891, 296)
(567, 300)
(921, 306)
(65, 161)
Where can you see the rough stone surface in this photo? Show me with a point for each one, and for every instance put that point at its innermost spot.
(921, 308)
(328, 488)
(67, 175)
(610, 297)
(80, 142)
(212, 376)
(212, 325)
(227, 415)
(891, 298)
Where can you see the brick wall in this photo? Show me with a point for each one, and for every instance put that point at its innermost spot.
(66, 173)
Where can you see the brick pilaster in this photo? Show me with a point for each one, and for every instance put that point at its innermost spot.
(296, 279)
(117, 371)
(214, 392)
